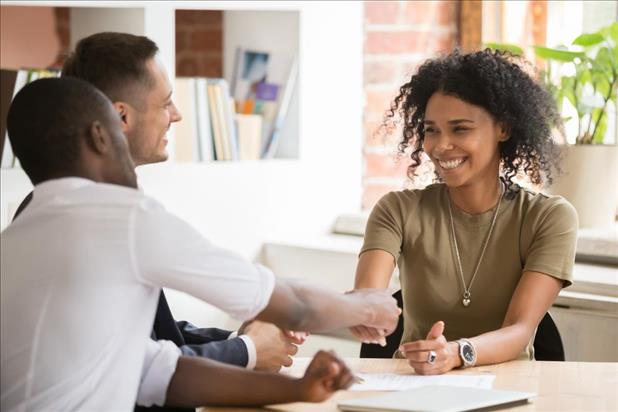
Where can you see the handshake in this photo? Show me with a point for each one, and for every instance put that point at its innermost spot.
(382, 315)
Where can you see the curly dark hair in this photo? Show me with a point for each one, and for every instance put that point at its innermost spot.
(497, 82)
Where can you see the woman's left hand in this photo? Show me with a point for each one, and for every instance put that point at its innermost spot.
(433, 355)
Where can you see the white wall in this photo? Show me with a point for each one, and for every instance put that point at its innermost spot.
(90, 20)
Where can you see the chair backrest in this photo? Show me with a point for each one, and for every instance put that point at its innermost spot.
(547, 342)
(392, 341)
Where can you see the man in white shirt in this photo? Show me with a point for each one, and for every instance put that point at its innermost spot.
(126, 69)
(90, 249)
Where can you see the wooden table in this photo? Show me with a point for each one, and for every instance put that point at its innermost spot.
(561, 386)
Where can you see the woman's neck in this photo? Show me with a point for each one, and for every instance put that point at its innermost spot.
(477, 198)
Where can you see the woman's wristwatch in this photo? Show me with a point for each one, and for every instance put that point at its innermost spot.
(467, 353)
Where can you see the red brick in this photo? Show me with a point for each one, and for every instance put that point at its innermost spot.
(382, 12)
(187, 67)
(182, 41)
(199, 17)
(385, 165)
(419, 12)
(441, 13)
(445, 43)
(372, 130)
(378, 134)
(380, 72)
(203, 40)
(211, 66)
(373, 192)
(447, 13)
(377, 103)
(411, 41)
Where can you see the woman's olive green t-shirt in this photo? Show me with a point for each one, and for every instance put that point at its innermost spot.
(532, 232)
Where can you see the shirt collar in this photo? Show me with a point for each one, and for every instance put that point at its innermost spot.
(50, 188)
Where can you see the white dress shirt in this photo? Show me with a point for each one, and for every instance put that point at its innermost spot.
(82, 268)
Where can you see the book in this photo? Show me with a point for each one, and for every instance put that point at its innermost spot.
(270, 147)
(223, 113)
(249, 132)
(203, 121)
(263, 83)
(220, 113)
(208, 130)
(215, 119)
(186, 136)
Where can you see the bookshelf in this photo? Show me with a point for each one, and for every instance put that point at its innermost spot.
(241, 205)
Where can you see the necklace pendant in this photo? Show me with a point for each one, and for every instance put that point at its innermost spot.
(466, 298)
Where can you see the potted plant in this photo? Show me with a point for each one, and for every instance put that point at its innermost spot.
(586, 78)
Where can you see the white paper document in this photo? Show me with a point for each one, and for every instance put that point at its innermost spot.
(394, 382)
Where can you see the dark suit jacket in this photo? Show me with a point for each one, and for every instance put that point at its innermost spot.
(210, 343)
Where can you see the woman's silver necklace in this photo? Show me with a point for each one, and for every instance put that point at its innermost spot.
(466, 293)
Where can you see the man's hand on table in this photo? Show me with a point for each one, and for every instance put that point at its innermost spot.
(325, 375)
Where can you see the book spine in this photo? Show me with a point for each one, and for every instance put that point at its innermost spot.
(214, 117)
(229, 111)
(204, 124)
(225, 140)
(271, 145)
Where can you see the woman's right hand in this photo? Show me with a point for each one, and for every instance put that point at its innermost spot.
(325, 375)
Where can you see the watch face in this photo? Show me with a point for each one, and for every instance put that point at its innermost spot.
(468, 353)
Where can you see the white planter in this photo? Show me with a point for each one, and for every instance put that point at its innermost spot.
(590, 182)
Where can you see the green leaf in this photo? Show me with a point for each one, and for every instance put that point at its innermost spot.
(598, 135)
(587, 40)
(514, 49)
(584, 75)
(601, 83)
(583, 109)
(611, 32)
(557, 54)
(568, 89)
(604, 60)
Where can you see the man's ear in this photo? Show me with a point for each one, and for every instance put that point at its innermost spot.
(122, 109)
(98, 139)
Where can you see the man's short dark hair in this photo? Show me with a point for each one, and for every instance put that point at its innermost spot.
(46, 121)
(115, 63)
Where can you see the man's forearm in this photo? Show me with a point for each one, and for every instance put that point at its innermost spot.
(298, 306)
(199, 381)
(330, 310)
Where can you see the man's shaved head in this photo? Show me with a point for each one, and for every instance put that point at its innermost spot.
(51, 119)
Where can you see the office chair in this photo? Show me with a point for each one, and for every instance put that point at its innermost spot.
(392, 341)
(547, 342)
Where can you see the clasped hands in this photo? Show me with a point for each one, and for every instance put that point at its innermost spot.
(384, 315)
(274, 347)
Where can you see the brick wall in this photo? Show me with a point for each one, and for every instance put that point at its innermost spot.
(199, 43)
(398, 36)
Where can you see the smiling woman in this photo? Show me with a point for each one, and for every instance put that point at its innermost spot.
(480, 258)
